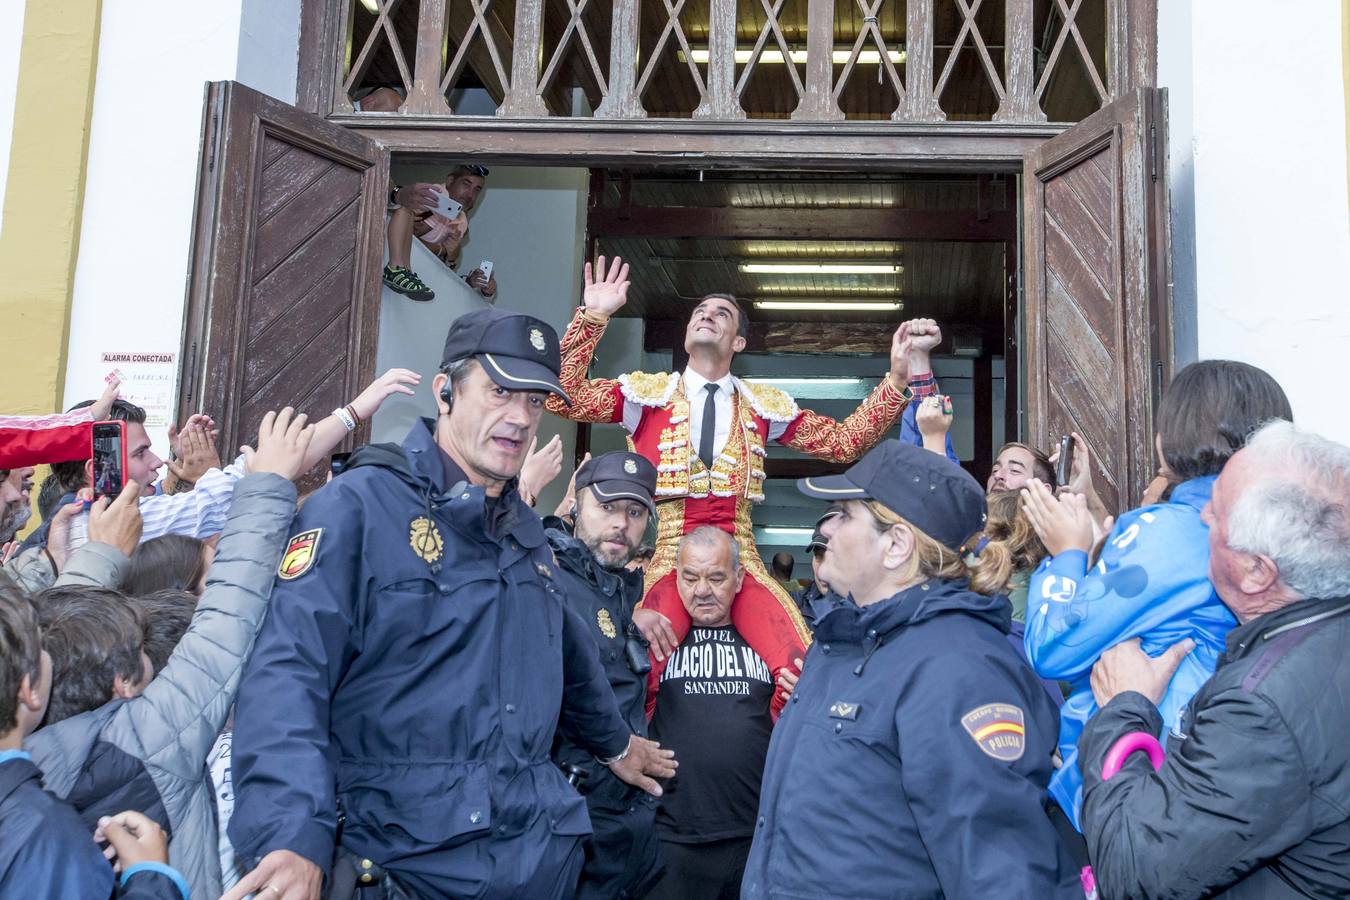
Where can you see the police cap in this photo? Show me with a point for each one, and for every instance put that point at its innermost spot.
(620, 476)
(518, 352)
(938, 496)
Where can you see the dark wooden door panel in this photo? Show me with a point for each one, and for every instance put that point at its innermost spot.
(1098, 312)
(284, 293)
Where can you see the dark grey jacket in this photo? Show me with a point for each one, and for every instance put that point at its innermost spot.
(163, 736)
(1253, 798)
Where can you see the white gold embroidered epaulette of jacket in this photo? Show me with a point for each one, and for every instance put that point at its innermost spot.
(649, 388)
(769, 402)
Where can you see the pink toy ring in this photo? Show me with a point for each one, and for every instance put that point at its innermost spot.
(1131, 743)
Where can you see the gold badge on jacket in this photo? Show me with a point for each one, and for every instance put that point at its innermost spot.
(300, 554)
(602, 618)
(425, 539)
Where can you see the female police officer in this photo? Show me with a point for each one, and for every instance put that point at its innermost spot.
(913, 757)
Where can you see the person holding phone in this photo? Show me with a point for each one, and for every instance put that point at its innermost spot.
(437, 215)
(201, 512)
(1151, 578)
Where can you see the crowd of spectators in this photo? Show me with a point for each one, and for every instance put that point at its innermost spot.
(186, 703)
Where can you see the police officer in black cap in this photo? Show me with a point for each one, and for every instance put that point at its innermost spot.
(915, 752)
(395, 720)
(815, 593)
(614, 502)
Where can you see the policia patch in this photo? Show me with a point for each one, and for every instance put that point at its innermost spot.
(300, 554)
(999, 729)
(425, 539)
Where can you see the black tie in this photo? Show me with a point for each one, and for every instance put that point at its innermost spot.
(705, 437)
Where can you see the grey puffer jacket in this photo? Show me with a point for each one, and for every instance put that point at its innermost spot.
(149, 753)
(94, 564)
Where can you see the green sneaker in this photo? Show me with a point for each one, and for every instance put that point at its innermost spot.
(406, 282)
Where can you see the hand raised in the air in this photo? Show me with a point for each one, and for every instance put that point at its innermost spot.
(924, 335)
(901, 344)
(606, 288)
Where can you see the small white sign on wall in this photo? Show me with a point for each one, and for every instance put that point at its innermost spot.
(147, 381)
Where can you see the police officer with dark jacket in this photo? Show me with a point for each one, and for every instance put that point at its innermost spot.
(395, 720)
(614, 502)
(1252, 799)
(913, 756)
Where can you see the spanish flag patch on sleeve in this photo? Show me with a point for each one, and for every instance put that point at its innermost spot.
(999, 729)
(300, 554)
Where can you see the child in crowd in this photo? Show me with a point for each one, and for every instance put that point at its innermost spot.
(45, 848)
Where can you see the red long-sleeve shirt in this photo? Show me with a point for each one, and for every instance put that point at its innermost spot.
(42, 440)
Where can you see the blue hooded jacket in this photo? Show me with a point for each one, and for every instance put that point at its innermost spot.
(1151, 582)
(46, 851)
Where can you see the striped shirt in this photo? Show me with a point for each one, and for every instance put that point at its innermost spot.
(199, 513)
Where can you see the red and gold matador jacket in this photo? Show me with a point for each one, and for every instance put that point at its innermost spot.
(655, 411)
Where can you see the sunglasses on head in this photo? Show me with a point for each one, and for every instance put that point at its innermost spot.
(480, 171)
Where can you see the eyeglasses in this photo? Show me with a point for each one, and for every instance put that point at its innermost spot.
(480, 171)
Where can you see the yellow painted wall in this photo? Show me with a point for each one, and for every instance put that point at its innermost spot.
(1345, 63)
(44, 193)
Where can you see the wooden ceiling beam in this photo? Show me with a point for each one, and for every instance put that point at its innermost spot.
(803, 224)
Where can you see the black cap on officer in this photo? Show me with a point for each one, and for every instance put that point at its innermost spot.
(938, 496)
(518, 352)
(819, 542)
(620, 476)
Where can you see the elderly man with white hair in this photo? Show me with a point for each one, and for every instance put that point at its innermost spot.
(1252, 798)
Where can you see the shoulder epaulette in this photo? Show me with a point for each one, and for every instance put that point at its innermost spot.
(770, 402)
(649, 388)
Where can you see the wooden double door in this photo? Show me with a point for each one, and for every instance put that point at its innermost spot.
(285, 276)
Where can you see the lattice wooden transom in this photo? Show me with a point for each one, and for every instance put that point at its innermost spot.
(969, 29)
(772, 27)
(477, 31)
(382, 32)
(674, 27)
(576, 27)
(870, 30)
(1070, 27)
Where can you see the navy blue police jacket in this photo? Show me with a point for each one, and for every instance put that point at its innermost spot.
(604, 600)
(47, 851)
(912, 760)
(416, 660)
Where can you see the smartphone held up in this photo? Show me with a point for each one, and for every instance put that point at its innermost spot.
(1064, 465)
(109, 453)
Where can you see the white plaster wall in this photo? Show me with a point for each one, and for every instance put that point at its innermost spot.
(1265, 112)
(11, 41)
(131, 275)
(531, 223)
(412, 335)
(269, 47)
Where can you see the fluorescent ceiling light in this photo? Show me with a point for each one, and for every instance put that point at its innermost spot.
(800, 381)
(826, 305)
(790, 291)
(372, 6)
(820, 268)
(784, 531)
(839, 57)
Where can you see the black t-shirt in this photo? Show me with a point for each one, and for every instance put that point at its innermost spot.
(712, 709)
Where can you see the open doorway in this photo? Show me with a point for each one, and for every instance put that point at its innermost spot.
(827, 264)
(284, 296)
